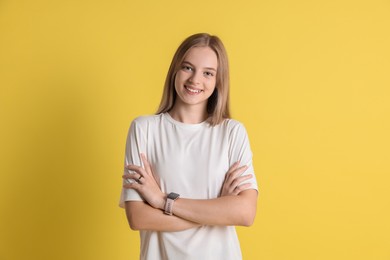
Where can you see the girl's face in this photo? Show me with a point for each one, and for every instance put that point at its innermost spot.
(196, 79)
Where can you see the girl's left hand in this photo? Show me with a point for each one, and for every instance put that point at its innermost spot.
(232, 185)
(145, 184)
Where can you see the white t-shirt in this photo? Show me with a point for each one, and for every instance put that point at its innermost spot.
(191, 160)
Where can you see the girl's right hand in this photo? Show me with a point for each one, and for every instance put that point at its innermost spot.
(232, 185)
(145, 183)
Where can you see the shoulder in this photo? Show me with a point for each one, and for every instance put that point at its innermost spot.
(232, 125)
(234, 129)
(146, 120)
(141, 124)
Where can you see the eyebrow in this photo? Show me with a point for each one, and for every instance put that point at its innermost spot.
(208, 68)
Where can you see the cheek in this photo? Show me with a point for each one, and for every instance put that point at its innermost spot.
(212, 84)
(179, 77)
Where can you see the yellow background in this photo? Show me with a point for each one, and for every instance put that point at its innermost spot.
(310, 80)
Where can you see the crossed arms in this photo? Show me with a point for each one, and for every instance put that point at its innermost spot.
(236, 205)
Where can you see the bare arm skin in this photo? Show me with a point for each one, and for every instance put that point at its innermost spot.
(235, 207)
(142, 216)
(237, 210)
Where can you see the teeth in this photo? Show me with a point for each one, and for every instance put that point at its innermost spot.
(193, 90)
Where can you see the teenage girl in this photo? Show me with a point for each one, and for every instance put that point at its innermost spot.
(188, 176)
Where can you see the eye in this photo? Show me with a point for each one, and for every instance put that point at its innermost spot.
(188, 68)
(208, 74)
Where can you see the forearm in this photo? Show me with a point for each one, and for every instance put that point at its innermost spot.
(141, 216)
(231, 209)
(237, 210)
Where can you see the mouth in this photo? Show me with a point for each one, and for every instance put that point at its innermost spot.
(192, 91)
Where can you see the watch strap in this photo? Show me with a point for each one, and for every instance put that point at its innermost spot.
(169, 203)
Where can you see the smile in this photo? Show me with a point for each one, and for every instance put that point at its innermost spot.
(193, 91)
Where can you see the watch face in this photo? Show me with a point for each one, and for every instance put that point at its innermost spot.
(173, 196)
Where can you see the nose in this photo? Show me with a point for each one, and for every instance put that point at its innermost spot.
(195, 78)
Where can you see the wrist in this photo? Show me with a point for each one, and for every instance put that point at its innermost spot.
(168, 208)
(163, 200)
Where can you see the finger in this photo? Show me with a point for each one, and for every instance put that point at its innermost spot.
(233, 167)
(132, 167)
(231, 170)
(134, 176)
(237, 181)
(135, 168)
(146, 164)
(133, 185)
(237, 172)
(240, 180)
(242, 188)
(128, 176)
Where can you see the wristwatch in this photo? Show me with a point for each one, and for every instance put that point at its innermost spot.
(169, 203)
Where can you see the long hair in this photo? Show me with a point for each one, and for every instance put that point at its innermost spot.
(218, 102)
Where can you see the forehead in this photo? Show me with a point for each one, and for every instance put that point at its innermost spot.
(202, 57)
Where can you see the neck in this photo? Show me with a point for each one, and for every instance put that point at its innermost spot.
(189, 115)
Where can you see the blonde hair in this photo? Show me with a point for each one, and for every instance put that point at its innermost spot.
(218, 102)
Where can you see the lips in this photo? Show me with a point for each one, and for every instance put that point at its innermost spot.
(192, 90)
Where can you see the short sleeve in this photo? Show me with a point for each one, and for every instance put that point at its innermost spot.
(240, 150)
(135, 144)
